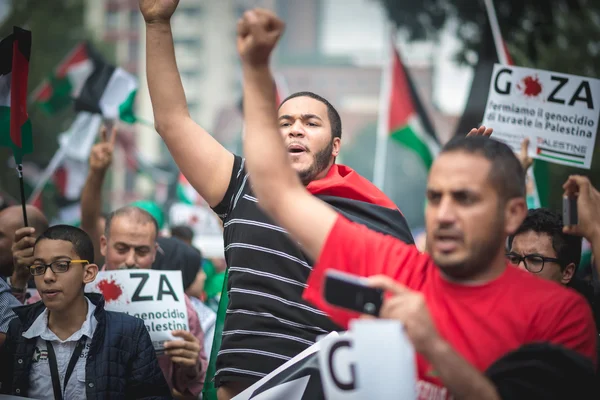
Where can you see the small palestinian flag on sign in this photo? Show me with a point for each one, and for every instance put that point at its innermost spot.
(15, 127)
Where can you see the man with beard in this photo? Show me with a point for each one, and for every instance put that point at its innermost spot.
(267, 322)
(129, 242)
(461, 305)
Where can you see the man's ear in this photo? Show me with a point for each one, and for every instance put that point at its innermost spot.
(568, 273)
(90, 272)
(103, 245)
(515, 212)
(337, 144)
(155, 251)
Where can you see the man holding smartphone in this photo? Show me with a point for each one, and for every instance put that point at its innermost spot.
(462, 306)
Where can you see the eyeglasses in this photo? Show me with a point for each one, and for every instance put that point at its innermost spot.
(57, 266)
(533, 263)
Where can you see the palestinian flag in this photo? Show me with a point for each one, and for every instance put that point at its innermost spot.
(402, 118)
(186, 193)
(493, 51)
(108, 90)
(15, 127)
(408, 123)
(58, 92)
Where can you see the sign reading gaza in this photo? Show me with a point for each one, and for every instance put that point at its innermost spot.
(557, 112)
(154, 296)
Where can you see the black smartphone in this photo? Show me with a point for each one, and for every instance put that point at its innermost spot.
(570, 211)
(352, 292)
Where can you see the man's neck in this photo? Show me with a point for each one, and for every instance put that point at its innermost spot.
(65, 323)
(496, 268)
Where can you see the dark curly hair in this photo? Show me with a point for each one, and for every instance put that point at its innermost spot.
(544, 220)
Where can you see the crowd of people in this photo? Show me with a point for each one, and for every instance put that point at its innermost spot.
(493, 306)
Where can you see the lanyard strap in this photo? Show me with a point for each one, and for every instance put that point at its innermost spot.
(54, 366)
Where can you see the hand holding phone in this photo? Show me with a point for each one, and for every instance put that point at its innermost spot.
(570, 216)
(581, 212)
(352, 292)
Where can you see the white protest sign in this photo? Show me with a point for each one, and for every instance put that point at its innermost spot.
(208, 234)
(374, 360)
(154, 296)
(557, 112)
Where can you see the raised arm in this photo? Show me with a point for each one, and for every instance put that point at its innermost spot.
(205, 163)
(276, 184)
(91, 195)
(588, 210)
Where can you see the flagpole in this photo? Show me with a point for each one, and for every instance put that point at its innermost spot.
(496, 33)
(22, 188)
(381, 147)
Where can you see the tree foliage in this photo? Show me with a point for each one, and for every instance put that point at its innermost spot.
(534, 30)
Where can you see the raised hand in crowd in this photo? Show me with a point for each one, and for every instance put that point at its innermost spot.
(588, 209)
(102, 152)
(158, 10)
(481, 131)
(100, 160)
(22, 251)
(523, 155)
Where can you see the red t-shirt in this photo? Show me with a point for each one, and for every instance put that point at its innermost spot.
(482, 323)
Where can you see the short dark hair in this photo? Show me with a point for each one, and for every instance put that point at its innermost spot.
(82, 244)
(544, 220)
(182, 232)
(334, 117)
(139, 215)
(506, 174)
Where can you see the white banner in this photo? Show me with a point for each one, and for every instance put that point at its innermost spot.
(154, 296)
(346, 366)
(557, 112)
(357, 366)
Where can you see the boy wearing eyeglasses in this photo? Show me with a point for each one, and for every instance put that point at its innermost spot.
(541, 247)
(67, 346)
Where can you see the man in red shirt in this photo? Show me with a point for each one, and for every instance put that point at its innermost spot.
(461, 305)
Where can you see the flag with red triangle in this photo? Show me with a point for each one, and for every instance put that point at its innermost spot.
(58, 91)
(15, 126)
(407, 121)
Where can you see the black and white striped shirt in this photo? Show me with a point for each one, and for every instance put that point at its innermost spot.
(267, 320)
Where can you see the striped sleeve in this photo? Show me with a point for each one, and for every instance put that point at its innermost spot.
(7, 302)
(239, 178)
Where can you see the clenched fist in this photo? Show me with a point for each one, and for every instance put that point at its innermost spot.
(101, 154)
(257, 34)
(158, 10)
